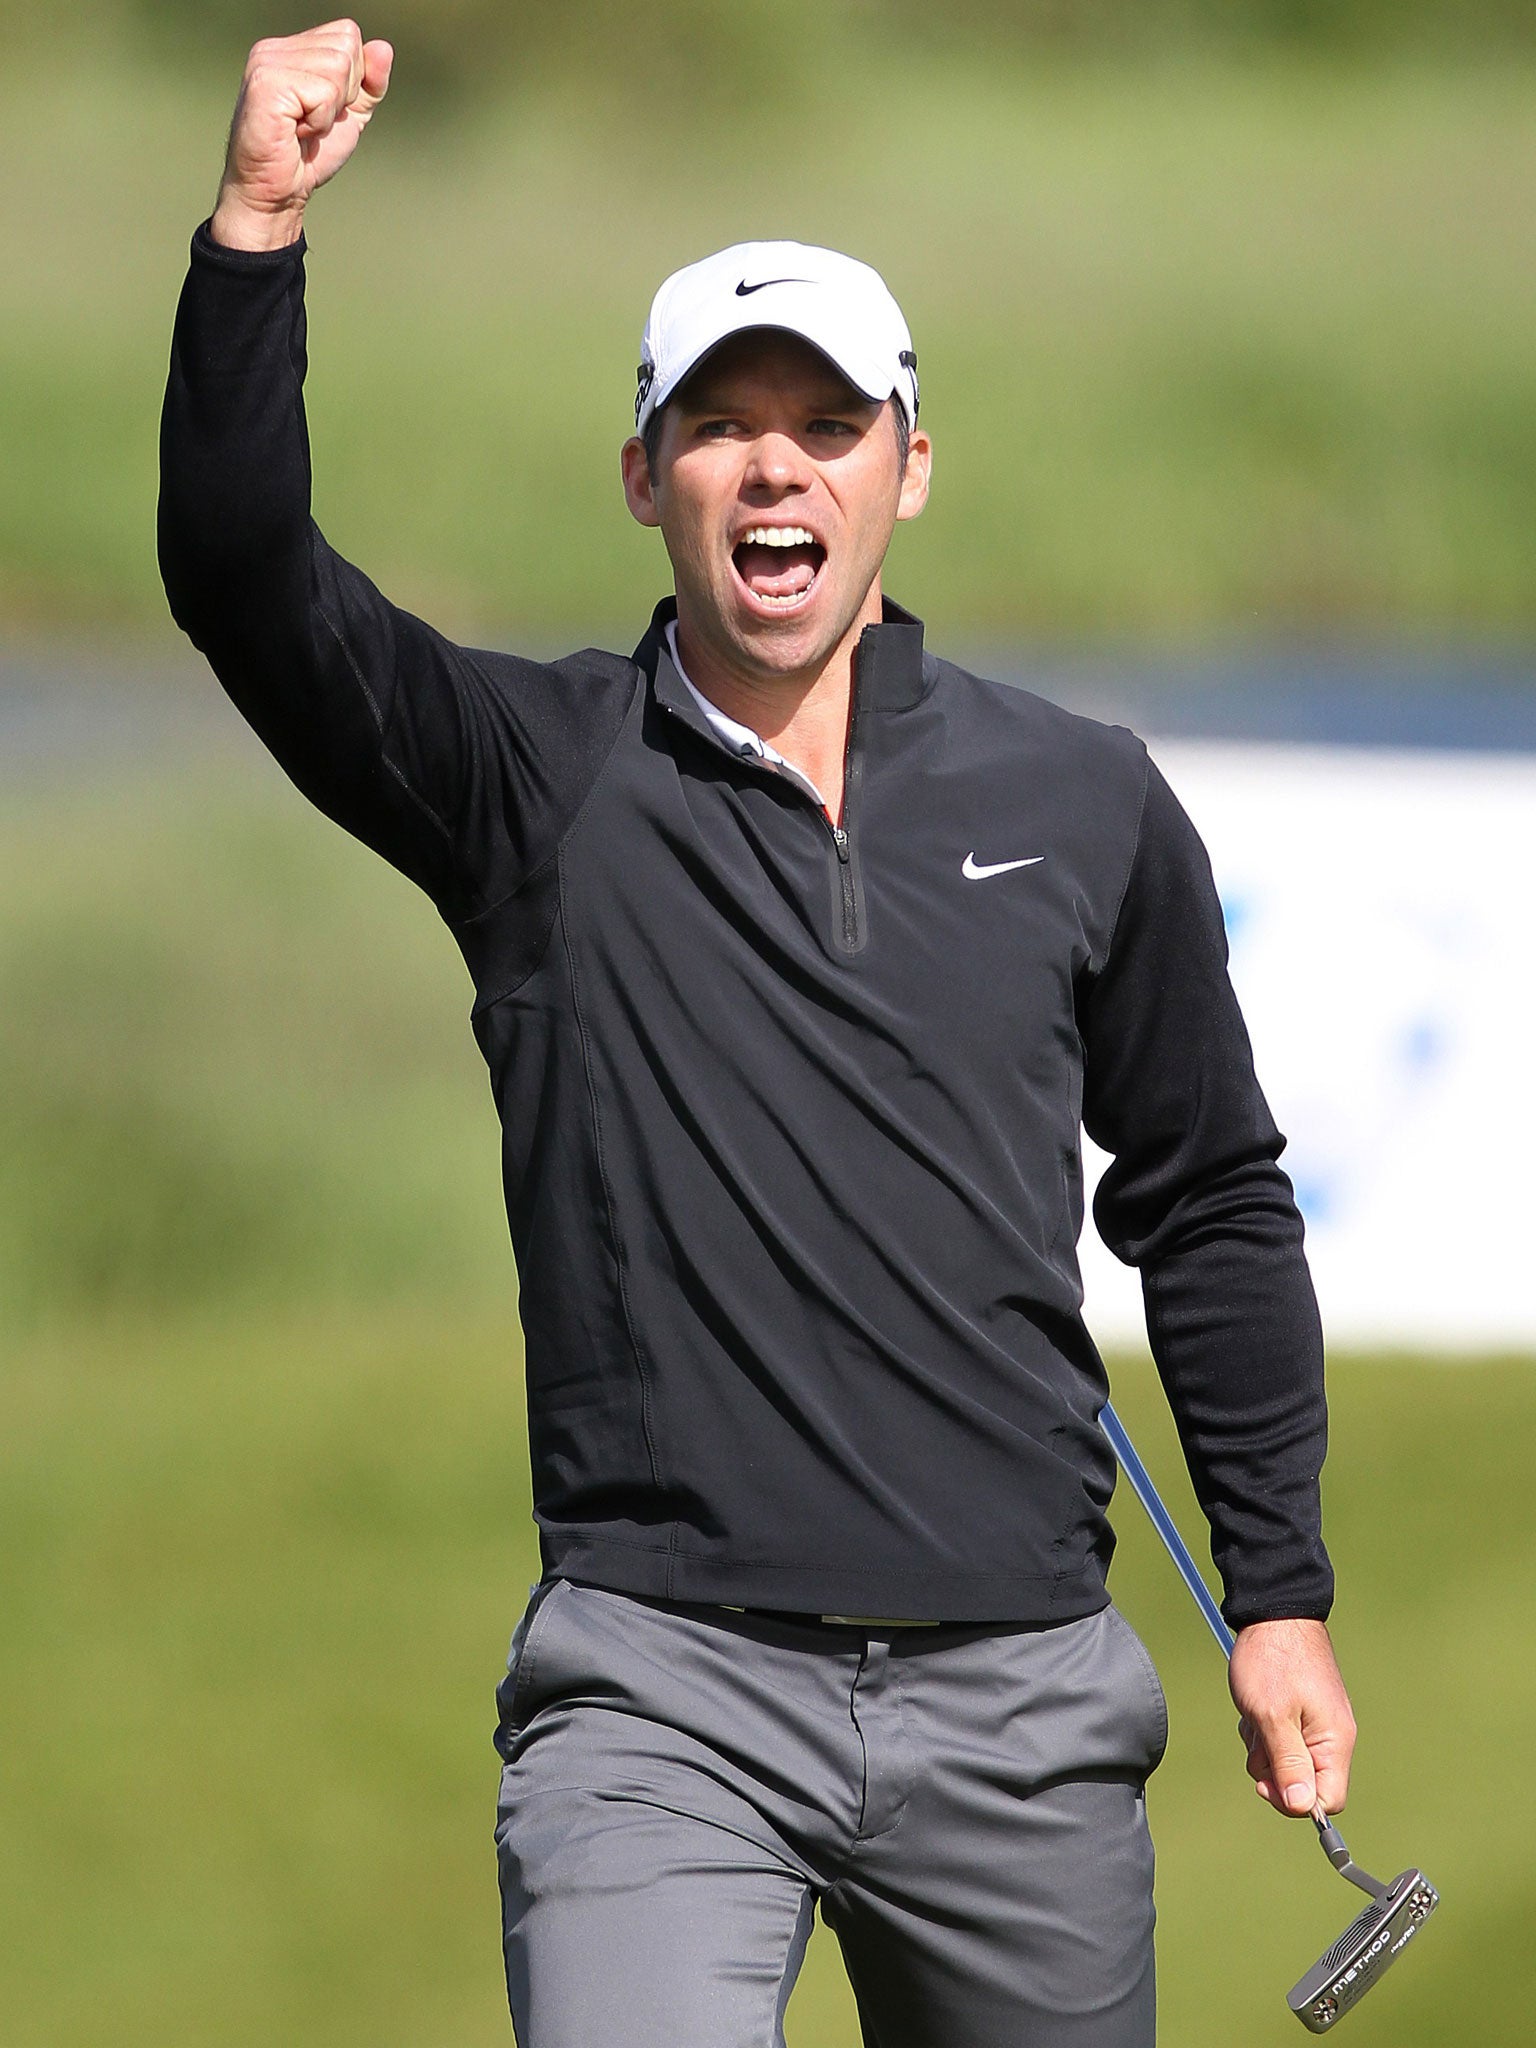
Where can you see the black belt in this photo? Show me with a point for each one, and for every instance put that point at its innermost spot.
(864, 1621)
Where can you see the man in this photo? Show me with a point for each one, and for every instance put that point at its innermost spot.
(799, 954)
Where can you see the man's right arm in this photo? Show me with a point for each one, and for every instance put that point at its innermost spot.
(460, 767)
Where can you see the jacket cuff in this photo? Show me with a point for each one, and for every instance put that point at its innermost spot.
(206, 250)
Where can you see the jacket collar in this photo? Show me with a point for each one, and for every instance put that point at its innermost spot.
(890, 670)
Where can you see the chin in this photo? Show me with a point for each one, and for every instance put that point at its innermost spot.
(790, 640)
(787, 646)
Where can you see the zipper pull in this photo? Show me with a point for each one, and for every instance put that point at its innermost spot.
(840, 841)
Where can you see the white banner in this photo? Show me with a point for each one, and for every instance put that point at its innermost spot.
(1381, 910)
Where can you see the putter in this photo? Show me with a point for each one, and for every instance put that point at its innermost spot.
(1376, 1937)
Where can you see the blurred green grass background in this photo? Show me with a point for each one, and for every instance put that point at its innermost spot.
(1211, 345)
(1224, 313)
(266, 1566)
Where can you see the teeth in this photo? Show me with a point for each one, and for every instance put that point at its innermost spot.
(780, 537)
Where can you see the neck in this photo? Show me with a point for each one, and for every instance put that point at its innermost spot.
(801, 711)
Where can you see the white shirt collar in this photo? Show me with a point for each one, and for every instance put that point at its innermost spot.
(741, 739)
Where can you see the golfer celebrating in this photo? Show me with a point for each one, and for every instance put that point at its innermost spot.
(800, 957)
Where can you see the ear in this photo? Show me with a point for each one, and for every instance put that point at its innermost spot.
(639, 490)
(916, 477)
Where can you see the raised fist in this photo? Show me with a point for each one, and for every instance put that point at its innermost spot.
(304, 101)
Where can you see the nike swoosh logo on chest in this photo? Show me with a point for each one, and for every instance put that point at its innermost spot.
(976, 871)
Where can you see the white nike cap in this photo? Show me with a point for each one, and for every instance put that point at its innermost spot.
(839, 306)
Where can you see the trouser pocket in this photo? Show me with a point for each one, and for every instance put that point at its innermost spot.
(512, 1693)
(1150, 1690)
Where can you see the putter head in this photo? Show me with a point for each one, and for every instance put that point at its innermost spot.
(1372, 1940)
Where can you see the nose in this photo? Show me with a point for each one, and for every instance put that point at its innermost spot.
(778, 464)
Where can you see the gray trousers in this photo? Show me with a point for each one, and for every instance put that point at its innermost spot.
(684, 1786)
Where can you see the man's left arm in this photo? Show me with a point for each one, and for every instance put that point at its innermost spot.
(1194, 1197)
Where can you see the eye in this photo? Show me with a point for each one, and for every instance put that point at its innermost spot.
(715, 430)
(835, 429)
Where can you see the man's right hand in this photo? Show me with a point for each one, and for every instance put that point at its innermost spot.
(304, 101)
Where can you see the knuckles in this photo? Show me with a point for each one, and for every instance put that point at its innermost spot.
(342, 39)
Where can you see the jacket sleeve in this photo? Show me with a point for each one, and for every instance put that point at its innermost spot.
(460, 767)
(1195, 1199)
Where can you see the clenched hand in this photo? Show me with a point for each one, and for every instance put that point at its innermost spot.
(304, 102)
(1295, 1720)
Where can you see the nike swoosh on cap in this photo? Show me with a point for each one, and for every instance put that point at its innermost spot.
(745, 290)
(975, 872)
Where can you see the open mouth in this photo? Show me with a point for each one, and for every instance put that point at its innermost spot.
(779, 565)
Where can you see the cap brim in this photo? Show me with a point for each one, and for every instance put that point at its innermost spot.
(865, 376)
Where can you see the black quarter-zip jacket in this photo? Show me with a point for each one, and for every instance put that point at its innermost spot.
(791, 1114)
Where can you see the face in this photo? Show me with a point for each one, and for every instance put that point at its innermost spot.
(777, 488)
